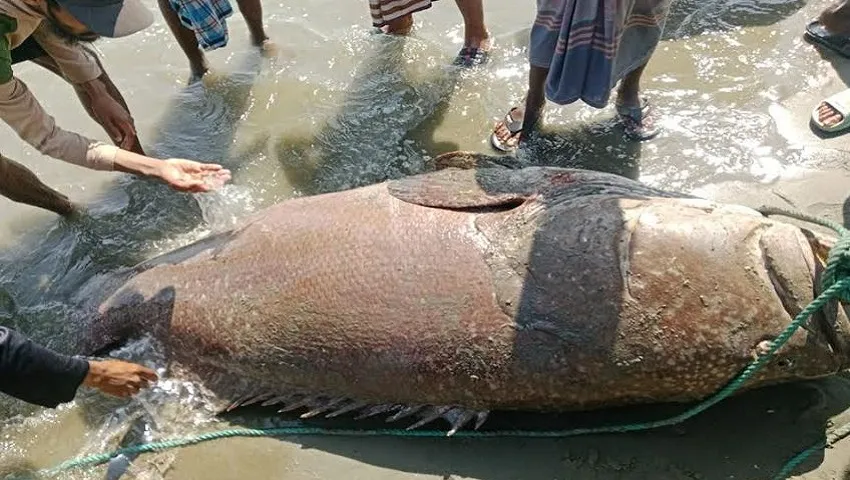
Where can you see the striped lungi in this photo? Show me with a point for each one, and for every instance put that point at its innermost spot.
(589, 45)
(385, 11)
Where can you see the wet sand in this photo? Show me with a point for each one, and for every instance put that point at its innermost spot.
(735, 107)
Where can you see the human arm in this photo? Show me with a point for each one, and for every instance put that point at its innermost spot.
(20, 109)
(82, 68)
(41, 376)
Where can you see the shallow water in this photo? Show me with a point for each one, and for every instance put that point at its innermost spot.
(343, 107)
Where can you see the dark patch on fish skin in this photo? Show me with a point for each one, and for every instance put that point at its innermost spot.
(560, 179)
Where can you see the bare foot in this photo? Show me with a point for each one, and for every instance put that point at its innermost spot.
(196, 77)
(198, 71)
(836, 19)
(829, 116)
(399, 26)
(65, 208)
(268, 48)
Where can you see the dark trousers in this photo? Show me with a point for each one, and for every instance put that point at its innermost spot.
(27, 50)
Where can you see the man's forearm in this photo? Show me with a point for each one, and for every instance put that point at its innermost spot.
(93, 88)
(129, 162)
(103, 86)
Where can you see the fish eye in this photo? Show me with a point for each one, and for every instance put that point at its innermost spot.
(785, 363)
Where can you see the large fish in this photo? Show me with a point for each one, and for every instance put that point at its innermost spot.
(453, 293)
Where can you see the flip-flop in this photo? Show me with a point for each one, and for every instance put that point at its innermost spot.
(513, 126)
(840, 102)
(839, 44)
(637, 121)
(471, 57)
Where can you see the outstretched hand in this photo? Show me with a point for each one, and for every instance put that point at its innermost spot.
(118, 378)
(193, 177)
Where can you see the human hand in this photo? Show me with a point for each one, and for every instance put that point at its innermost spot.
(194, 177)
(114, 118)
(118, 378)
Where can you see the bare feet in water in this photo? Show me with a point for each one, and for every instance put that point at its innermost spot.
(267, 47)
(399, 26)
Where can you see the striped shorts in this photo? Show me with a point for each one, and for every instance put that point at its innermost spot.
(384, 11)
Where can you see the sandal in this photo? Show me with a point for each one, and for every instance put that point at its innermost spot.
(471, 57)
(839, 44)
(513, 126)
(638, 121)
(840, 102)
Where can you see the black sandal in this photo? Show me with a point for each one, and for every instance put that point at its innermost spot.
(839, 44)
(471, 57)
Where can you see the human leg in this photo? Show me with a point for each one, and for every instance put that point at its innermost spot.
(395, 17)
(48, 63)
(252, 12)
(519, 123)
(633, 111)
(19, 184)
(476, 38)
(186, 39)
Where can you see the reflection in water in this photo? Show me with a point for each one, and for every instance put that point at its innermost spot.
(369, 138)
(695, 17)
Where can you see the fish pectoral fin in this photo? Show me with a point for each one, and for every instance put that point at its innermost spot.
(462, 189)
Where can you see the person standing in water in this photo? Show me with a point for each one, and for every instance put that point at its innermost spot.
(52, 33)
(395, 17)
(580, 50)
(201, 24)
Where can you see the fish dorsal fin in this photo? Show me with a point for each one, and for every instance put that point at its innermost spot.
(505, 188)
(457, 188)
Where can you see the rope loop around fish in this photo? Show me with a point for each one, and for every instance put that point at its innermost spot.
(835, 286)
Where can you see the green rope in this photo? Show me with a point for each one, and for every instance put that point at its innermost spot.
(797, 460)
(835, 284)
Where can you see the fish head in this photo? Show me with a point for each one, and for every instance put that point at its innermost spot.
(794, 260)
(833, 318)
